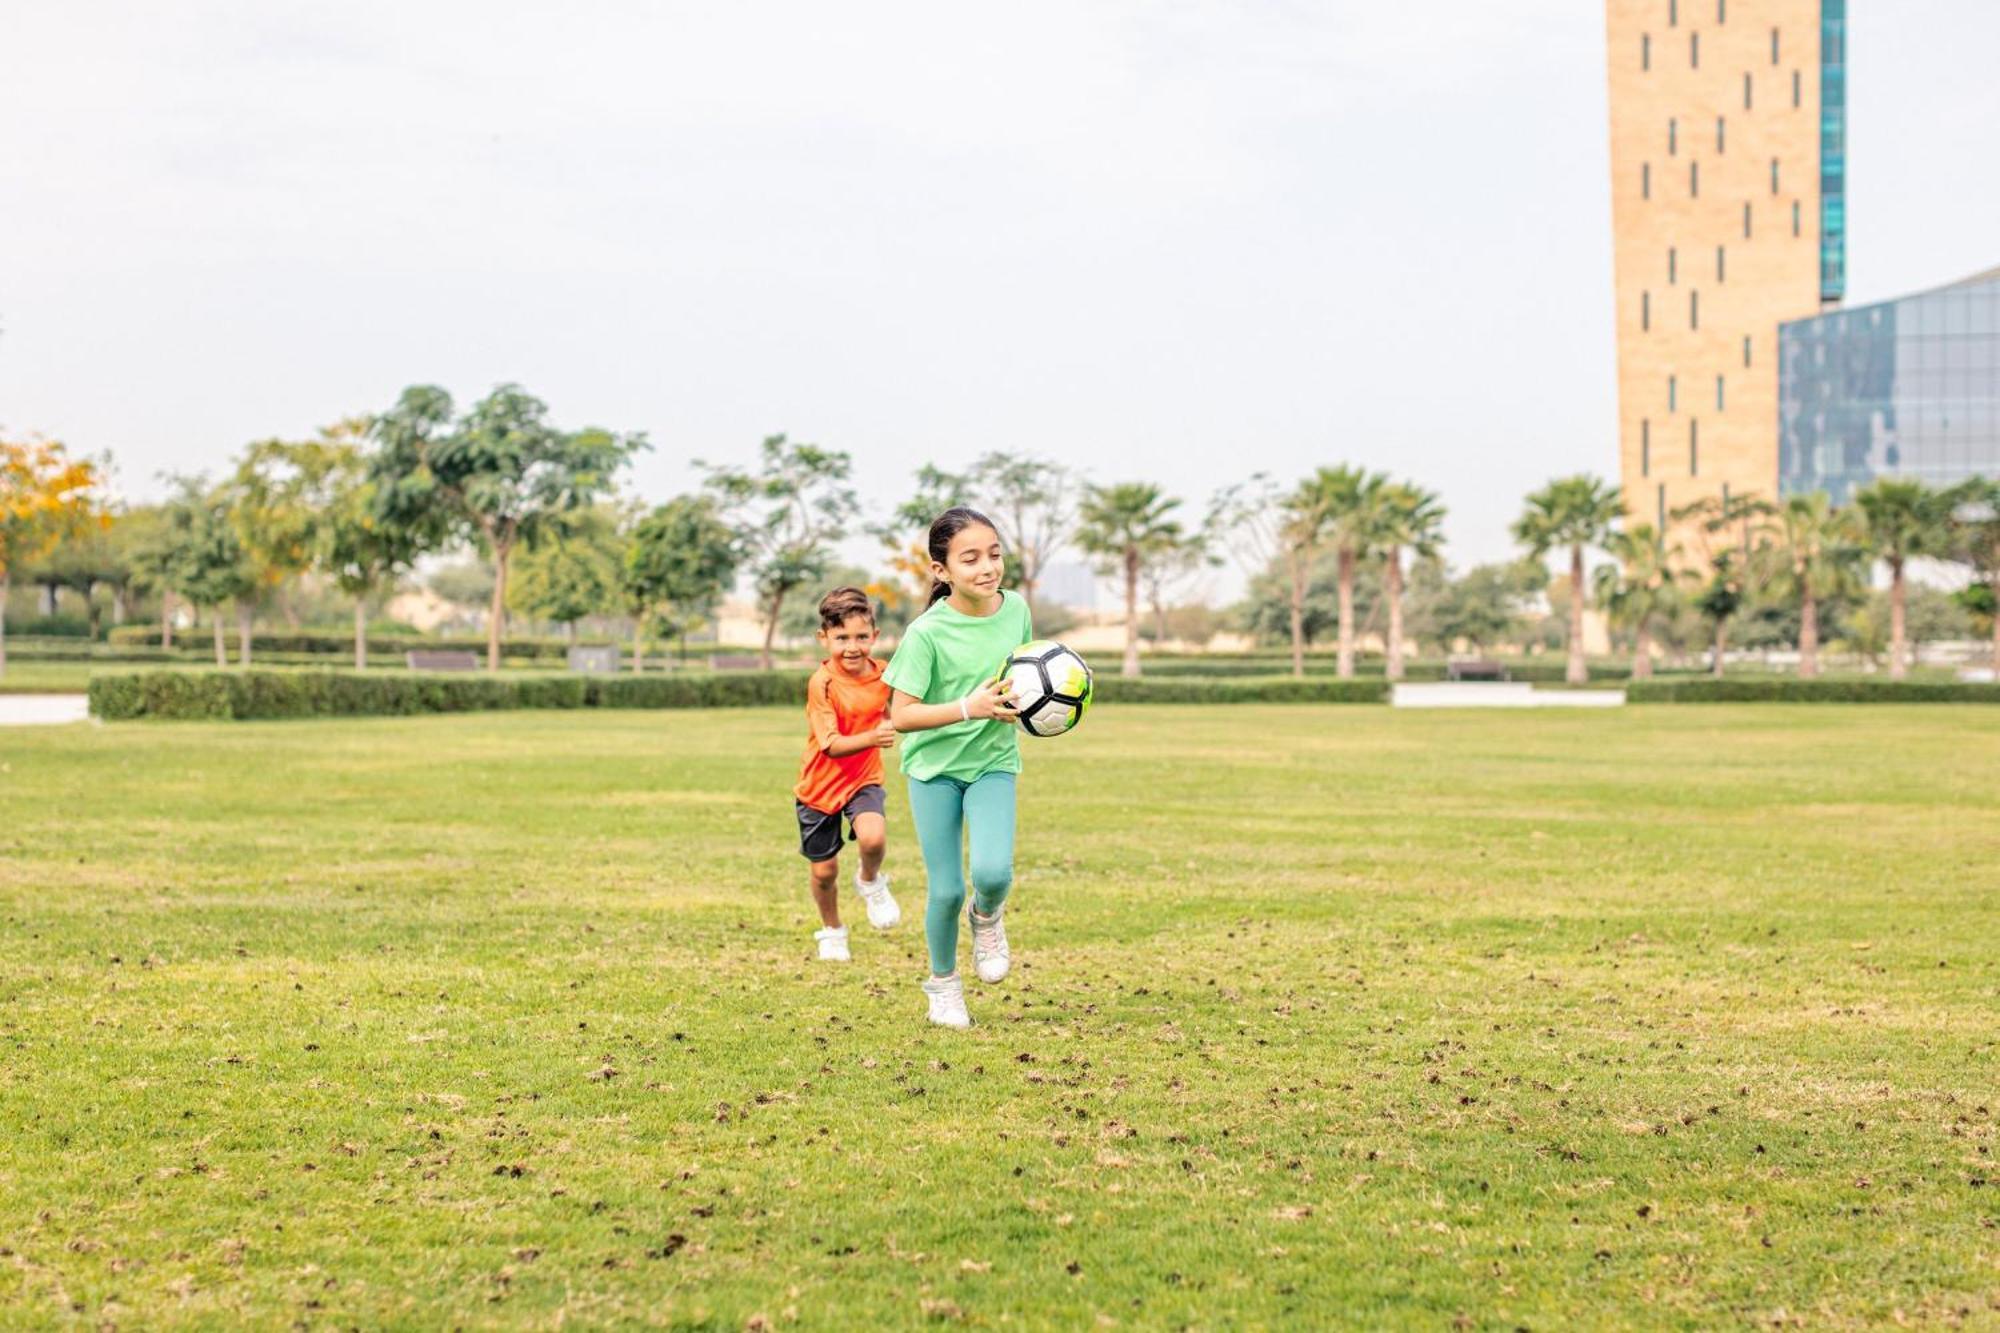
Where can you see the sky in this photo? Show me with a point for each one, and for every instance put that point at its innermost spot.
(1169, 242)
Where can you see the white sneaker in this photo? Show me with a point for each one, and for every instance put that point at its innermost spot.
(833, 944)
(990, 958)
(882, 910)
(947, 996)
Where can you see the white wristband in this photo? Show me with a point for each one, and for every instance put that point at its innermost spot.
(965, 709)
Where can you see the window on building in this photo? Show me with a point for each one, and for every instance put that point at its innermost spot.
(1718, 393)
(1798, 89)
(1774, 46)
(1694, 448)
(1660, 505)
(1673, 12)
(1796, 230)
(1645, 448)
(1721, 142)
(1746, 351)
(1645, 50)
(1645, 180)
(1746, 92)
(1694, 180)
(1673, 394)
(1774, 175)
(1673, 136)
(1694, 50)
(1720, 271)
(1746, 221)
(1673, 266)
(1694, 310)
(1722, 11)
(1645, 311)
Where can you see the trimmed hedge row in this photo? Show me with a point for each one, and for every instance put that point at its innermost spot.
(122, 696)
(1712, 691)
(1532, 672)
(316, 642)
(281, 694)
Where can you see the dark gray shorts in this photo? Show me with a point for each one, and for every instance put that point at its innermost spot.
(819, 832)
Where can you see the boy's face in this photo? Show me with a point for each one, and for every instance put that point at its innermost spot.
(848, 642)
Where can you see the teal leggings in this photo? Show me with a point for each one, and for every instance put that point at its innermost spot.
(942, 809)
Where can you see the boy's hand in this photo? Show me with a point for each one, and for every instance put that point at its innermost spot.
(885, 737)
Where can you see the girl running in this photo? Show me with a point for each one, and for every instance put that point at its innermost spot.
(961, 752)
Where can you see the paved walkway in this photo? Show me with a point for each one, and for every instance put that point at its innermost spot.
(36, 710)
(1495, 694)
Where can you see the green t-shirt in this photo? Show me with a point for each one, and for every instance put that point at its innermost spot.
(944, 656)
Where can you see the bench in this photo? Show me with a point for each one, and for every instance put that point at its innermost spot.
(595, 660)
(1475, 671)
(422, 660)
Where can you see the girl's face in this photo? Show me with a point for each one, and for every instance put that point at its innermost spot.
(973, 563)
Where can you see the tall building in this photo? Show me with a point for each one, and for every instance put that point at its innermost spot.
(1727, 203)
(1908, 388)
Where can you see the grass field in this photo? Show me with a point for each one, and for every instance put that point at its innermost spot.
(1665, 1017)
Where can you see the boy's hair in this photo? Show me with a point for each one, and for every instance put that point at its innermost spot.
(837, 606)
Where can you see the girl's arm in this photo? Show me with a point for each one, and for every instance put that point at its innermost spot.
(993, 701)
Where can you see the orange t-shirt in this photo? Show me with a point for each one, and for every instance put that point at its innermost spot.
(838, 704)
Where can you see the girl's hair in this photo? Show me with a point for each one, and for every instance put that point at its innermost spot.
(948, 525)
(841, 603)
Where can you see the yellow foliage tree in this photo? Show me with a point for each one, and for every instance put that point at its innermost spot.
(44, 495)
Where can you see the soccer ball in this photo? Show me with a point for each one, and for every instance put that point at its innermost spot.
(1051, 686)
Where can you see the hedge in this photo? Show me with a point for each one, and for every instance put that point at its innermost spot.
(1712, 691)
(118, 696)
(326, 644)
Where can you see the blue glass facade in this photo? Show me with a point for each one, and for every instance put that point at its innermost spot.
(1909, 388)
(1832, 149)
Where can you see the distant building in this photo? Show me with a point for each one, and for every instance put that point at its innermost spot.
(1070, 585)
(1728, 202)
(1907, 388)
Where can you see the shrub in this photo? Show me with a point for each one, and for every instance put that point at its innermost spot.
(1286, 689)
(315, 643)
(1711, 691)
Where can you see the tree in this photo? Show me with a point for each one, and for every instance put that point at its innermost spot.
(502, 474)
(1348, 501)
(363, 545)
(1032, 501)
(1119, 524)
(1813, 550)
(1261, 524)
(282, 498)
(1639, 590)
(573, 574)
(1731, 538)
(1413, 518)
(1902, 520)
(786, 516)
(44, 495)
(1975, 539)
(1575, 512)
(207, 564)
(1166, 567)
(1485, 605)
(680, 558)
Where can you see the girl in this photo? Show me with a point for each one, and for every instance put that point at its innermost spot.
(961, 753)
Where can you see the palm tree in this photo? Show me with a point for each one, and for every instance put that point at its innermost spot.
(1643, 586)
(1301, 529)
(1351, 501)
(1575, 512)
(1410, 517)
(1902, 520)
(1731, 532)
(1975, 531)
(1813, 551)
(1120, 524)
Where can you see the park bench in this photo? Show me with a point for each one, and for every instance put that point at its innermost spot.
(596, 660)
(423, 660)
(1475, 671)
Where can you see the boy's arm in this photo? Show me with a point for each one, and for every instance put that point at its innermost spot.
(879, 738)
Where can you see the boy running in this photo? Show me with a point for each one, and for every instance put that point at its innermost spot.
(847, 729)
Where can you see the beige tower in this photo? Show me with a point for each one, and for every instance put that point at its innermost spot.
(1727, 213)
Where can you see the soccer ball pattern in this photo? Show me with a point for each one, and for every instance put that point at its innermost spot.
(1051, 686)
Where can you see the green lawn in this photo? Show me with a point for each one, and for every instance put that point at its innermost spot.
(1677, 1017)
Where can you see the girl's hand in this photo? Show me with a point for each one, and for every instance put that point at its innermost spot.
(884, 737)
(992, 702)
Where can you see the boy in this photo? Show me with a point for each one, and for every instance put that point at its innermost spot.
(847, 725)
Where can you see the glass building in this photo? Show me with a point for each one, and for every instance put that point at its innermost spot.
(1906, 388)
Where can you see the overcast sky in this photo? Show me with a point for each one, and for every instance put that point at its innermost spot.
(1176, 242)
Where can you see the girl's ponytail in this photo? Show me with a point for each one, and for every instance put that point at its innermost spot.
(948, 525)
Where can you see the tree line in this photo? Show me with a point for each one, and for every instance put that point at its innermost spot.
(359, 505)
